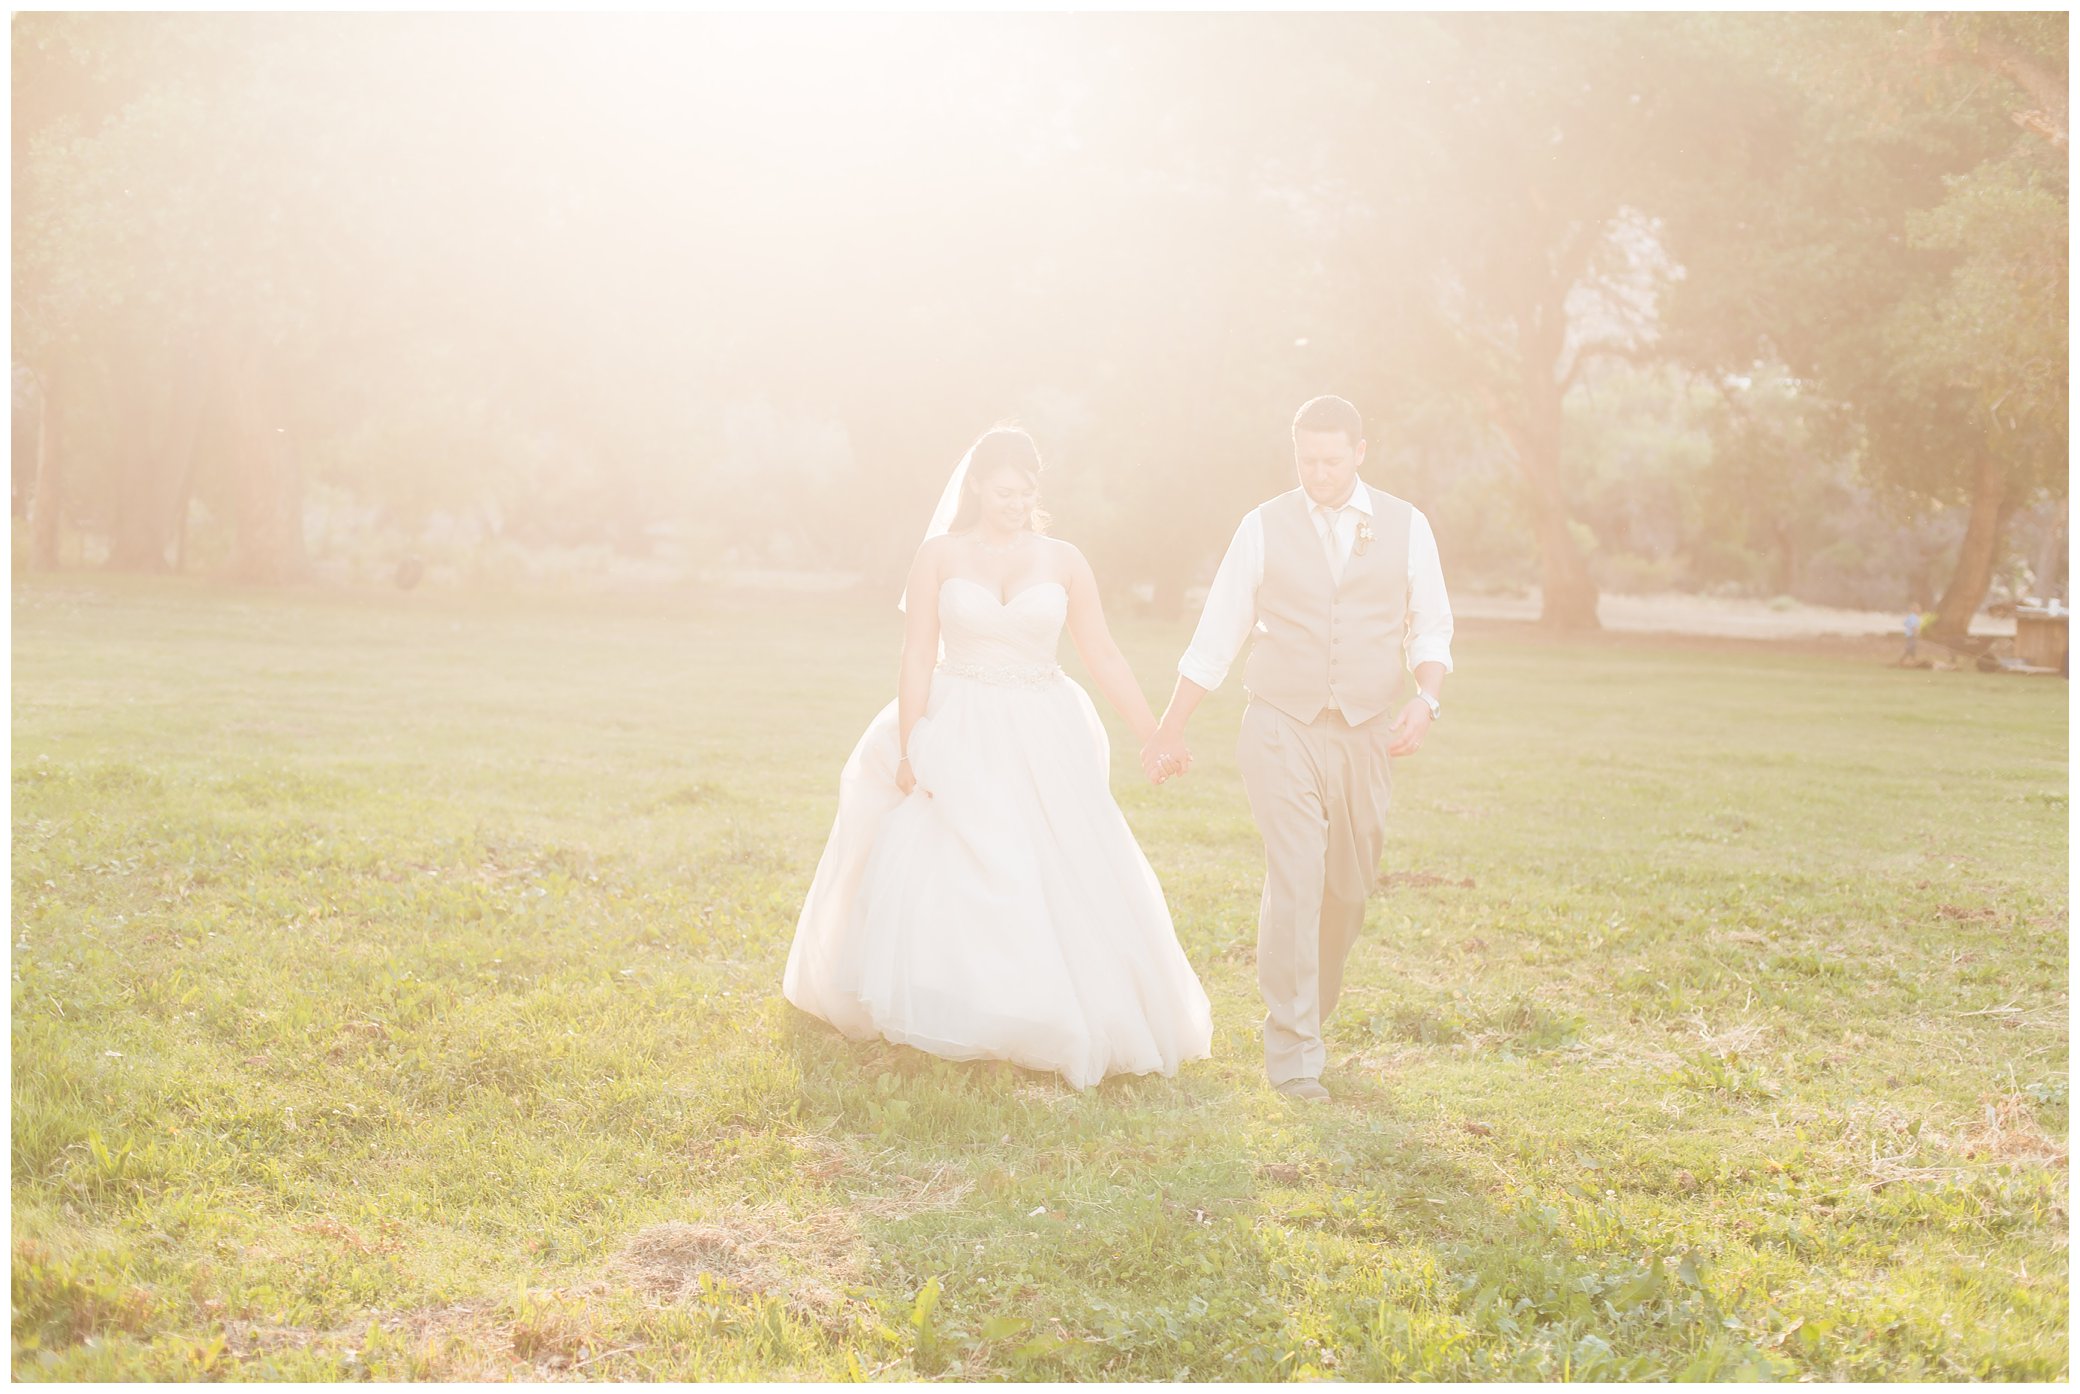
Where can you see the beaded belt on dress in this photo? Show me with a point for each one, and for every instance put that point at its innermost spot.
(1004, 674)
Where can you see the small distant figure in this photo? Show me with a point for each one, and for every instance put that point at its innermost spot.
(410, 572)
(1907, 658)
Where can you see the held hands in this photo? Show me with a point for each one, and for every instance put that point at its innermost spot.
(1165, 756)
(1410, 727)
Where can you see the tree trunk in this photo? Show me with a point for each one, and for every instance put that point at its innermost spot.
(267, 489)
(185, 450)
(1991, 503)
(47, 501)
(154, 478)
(1786, 547)
(1568, 592)
(137, 538)
(1532, 424)
(183, 505)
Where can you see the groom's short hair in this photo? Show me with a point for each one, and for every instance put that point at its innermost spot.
(1327, 413)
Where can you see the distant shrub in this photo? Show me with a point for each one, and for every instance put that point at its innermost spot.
(1628, 573)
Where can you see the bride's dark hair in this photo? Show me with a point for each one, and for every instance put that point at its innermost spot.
(999, 448)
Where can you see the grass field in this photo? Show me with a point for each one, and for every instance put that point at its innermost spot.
(396, 995)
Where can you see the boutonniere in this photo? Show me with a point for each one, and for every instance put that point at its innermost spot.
(1364, 537)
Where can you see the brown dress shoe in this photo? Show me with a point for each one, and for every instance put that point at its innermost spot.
(1308, 1089)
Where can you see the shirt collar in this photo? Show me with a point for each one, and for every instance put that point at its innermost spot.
(1360, 499)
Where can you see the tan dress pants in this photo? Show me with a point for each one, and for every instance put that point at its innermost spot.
(1319, 792)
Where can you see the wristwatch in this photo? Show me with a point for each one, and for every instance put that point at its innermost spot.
(1436, 707)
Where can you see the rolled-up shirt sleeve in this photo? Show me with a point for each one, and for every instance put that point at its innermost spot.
(1231, 607)
(1429, 635)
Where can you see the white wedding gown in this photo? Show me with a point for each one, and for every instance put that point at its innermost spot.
(1010, 915)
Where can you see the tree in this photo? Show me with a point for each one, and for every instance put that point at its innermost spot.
(1550, 142)
(1874, 219)
(1777, 485)
(590, 275)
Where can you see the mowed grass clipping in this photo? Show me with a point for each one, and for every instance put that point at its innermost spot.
(396, 995)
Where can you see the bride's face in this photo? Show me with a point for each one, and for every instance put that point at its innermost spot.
(1008, 498)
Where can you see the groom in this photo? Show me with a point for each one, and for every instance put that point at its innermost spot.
(1342, 586)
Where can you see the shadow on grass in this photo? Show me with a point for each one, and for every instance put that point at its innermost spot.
(1203, 1227)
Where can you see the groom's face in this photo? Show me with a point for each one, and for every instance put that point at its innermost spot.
(1328, 462)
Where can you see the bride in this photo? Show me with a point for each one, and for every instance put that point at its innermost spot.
(981, 896)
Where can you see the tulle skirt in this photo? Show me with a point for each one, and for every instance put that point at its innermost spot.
(1008, 914)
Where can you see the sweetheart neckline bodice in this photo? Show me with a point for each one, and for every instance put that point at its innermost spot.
(985, 633)
(1005, 604)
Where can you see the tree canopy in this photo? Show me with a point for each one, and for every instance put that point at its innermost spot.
(586, 277)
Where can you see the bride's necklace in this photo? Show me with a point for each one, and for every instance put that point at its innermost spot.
(1000, 548)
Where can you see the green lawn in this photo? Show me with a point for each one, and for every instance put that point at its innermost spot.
(396, 994)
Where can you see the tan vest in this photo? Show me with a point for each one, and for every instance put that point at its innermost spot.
(1322, 642)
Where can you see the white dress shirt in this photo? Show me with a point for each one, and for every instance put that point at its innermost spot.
(1231, 604)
